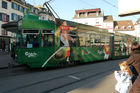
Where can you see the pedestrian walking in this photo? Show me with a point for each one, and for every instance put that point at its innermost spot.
(3, 46)
(134, 60)
(13, 50)
(123, 78)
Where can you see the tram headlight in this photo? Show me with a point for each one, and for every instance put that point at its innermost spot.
(15, 55)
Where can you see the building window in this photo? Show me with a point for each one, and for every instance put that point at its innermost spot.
(23, 10)
(4, 17)
(36, 11)
(82, 14)
(4, 32)
(4, 4)
(92, 13)
(19, 17)
(19, 7)
(12, 5)
(129, 27)
(0, 16)
(123, 27)
(8, 18)
(16, 6)
(97, 23)
(116, 27)
(23, 1)
(14, 17)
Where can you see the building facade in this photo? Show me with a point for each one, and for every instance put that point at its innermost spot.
(4, 17)
(108, 23)
(137, 28)
(124, 26)
(94, 17)
(12, 10)
(44, 13)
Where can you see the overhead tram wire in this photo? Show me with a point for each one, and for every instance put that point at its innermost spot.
(103, 1)
(91, 5)
(86, 3)
(110, 4)
(135, 17)
(114, 6)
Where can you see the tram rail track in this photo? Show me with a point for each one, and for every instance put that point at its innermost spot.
(55, 78)
(96, 74)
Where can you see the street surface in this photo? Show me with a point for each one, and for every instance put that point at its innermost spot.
(88, 78)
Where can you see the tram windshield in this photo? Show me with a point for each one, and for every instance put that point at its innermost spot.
(30, 38)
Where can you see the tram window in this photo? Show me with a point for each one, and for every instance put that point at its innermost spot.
(48, 31)
(84, 39)
(47, 40)
(30, 38)
(30, 31)
(74, 40)
(69, 39)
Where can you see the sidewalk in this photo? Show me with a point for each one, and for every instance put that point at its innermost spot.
(105, 85)
(4, 53)
(6, 60)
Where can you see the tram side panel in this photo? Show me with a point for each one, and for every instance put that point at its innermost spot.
(81, 43)
(72, 42)
(122, 45)
(43, 43)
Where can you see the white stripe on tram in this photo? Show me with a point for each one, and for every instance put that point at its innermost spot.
(51, 57)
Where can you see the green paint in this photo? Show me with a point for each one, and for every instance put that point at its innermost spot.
(93, 50)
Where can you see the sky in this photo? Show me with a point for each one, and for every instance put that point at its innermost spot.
(66, 8)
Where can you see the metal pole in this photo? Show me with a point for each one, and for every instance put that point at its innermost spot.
(53, 10)
(50, 8)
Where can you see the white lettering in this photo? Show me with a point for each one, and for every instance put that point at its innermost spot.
(28, 54)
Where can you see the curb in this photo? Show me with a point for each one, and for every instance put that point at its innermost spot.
(14, 66)
(4, 54)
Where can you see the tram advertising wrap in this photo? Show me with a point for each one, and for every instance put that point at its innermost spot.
(45, 43)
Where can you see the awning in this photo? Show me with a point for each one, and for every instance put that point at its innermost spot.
(11, 26)
(6, 37)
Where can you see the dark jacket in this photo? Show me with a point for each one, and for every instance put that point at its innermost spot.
(134, 60)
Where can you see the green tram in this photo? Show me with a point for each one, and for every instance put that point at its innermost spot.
(45, 43)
